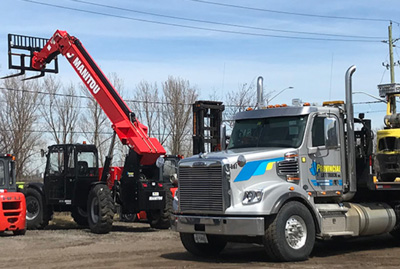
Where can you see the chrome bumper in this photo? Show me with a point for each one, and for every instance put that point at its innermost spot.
(251, 226)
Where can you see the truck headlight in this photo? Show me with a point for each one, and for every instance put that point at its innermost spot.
(241, 160)
(252, 197)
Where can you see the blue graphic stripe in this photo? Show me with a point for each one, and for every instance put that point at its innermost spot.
(255, 168)
(326, 182)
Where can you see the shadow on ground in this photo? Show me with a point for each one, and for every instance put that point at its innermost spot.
(244, 253)
(63, 221)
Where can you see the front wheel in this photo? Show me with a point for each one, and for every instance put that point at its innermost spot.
(203, 245)
(290, 235)
(36, 212)
(101, 209)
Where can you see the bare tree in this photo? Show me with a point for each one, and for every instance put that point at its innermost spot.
(179, 96)
(95, 125)
(61, 111)
(19, 131)
(120, 150)
(149, 108)
(239, 100)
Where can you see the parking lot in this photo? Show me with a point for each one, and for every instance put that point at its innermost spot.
(135, 245)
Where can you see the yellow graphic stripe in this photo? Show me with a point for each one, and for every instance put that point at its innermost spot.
(269, 166)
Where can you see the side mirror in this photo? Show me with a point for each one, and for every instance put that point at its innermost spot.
(42, 153)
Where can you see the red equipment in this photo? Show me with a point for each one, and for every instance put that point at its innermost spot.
(12, 212)
(12, 203)
(130, 131)
(127, 183)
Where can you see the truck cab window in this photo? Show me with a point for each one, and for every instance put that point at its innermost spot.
(11, 173)
(170, 170)
(2, 174)
(86, 163)
(317, 132)
(56, 161)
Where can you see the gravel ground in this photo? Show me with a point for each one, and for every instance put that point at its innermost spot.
(135, 245)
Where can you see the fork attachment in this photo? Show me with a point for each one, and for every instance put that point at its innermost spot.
(20, 53)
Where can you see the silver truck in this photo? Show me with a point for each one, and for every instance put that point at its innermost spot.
(289, 175)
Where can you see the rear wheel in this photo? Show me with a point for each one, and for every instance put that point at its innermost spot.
(204, 246)
(101, 209)
(396, 231)
(80, 216)
(160, 219)
(290, 235)
(36, 217)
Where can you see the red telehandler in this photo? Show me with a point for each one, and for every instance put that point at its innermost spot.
(71, 180)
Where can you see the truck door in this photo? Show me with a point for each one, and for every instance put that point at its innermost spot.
(325, 173)
(54, 179)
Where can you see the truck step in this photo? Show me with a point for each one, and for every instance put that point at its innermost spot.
(387, 185)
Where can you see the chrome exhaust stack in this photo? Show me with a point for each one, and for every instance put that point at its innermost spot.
(260, 97)
(222, 141)
(351, 145)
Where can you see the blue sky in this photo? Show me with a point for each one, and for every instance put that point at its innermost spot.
(219, 61)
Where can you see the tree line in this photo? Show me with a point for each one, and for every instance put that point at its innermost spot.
(37, 113)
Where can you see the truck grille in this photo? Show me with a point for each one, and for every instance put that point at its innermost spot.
(200, 189)
(290, 167)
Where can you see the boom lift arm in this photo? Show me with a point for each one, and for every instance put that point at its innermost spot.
(129, 130)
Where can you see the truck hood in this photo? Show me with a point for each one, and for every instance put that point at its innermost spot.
(231, 156)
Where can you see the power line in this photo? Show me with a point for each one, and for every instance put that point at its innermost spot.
(88, 97)
(219, 23)
(197, 27)
(70, 132)
(290, 13)
(137, 101)
(374, 111)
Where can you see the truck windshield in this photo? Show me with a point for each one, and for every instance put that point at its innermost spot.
(268, 132)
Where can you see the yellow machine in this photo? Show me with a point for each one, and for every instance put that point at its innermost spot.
(387, 161)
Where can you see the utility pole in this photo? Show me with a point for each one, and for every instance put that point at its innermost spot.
(392, 78)
(392, 90)
(392, 98)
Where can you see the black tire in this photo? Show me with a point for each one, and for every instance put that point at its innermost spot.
(290, 235)
(36, 213)
(396, 231)
(214, 246)
(160, 219)
(19, 232)
(80, 216)
(101, 209)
